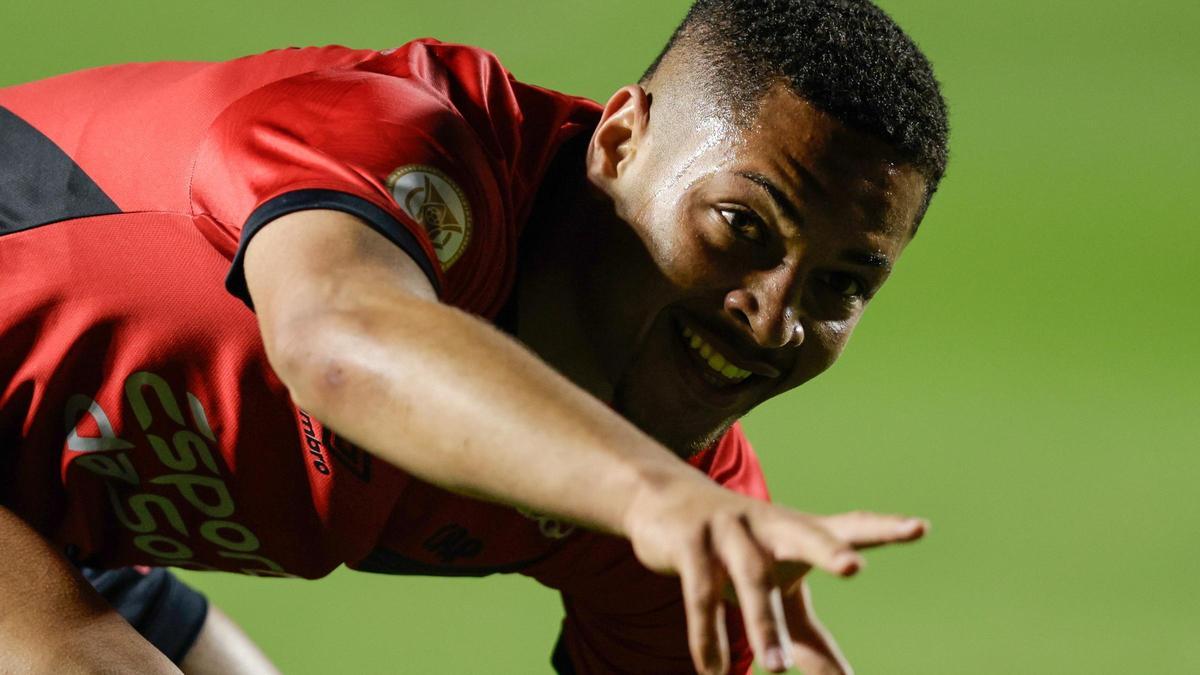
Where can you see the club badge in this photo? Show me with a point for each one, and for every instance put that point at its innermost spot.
(431, 198)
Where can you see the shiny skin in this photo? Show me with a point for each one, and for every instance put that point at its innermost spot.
(662, 220)
(769, 237)
(691, 234)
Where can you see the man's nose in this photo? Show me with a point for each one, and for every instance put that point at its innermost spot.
(769, 311)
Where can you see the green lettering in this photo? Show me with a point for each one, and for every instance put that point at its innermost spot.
(218, 504)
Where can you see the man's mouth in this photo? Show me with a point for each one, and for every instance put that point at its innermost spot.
(720, 369)
(716, 362)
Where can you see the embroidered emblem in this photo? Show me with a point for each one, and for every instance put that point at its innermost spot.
(431, 198)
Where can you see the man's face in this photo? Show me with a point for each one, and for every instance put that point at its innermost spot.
(752, 255)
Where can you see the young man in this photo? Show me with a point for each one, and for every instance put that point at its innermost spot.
(706, 240)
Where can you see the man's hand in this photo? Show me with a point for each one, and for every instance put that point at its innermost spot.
(712, 537)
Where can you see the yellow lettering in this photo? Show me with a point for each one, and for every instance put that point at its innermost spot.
(140, 504)
(134, 386)
(272, 568)
(110, 466)
(219, 503)
(211, 530)
(153, 544)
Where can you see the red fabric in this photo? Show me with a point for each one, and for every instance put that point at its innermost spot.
(621, 618)
(139, 420)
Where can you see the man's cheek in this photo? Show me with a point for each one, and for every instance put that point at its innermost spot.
(823, 344)
(682, 263)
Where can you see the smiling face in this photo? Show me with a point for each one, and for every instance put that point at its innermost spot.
(748, 255)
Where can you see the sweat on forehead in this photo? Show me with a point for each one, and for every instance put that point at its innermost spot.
(806, 147)
(845, 57)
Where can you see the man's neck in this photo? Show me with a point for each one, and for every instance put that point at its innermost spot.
(558, 252)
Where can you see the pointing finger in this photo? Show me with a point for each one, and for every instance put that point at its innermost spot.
(801, 538)
(863, 529)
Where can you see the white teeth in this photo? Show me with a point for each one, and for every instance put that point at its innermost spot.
(715, 360)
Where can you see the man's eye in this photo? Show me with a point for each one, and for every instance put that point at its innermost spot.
(845, 285)
(745, 223)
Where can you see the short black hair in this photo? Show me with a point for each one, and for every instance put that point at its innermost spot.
(847, 58)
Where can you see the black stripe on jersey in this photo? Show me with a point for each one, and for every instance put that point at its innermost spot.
(39, 183)
(302, 200)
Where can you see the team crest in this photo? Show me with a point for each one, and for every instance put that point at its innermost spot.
(432, 199)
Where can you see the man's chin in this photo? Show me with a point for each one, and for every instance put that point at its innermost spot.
(701, 443)
(688, 445)
(651, 392)
(686, 438)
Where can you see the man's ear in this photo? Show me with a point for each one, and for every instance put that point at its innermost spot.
(622, 129)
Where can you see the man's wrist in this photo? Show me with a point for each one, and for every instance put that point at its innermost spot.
(654, 481)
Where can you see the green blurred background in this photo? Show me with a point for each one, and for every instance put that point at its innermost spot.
(1028, 381)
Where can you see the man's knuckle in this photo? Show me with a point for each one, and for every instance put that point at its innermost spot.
(704, 590)
(697, 578)
(698, 537)
(754, 569)
(723, 521)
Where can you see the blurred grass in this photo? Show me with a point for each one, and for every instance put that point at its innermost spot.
(1028, 380)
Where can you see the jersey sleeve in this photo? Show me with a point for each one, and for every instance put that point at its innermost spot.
(389, 150)
(623, 618)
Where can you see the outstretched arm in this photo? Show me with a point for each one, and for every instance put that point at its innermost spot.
(353, 328)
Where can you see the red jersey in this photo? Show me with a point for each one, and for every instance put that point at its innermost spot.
(140, 422)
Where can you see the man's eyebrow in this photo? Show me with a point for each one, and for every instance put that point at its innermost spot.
(788, 207)
(868, 259)
(782, 202)
(807, 176)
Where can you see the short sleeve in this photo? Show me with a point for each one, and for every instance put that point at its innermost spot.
(386, 149)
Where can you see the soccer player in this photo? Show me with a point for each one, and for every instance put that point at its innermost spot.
(399, 311)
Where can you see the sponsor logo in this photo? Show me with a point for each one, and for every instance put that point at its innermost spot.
(345, 453)
(313, 444)
(431, 198)
(151, 502)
